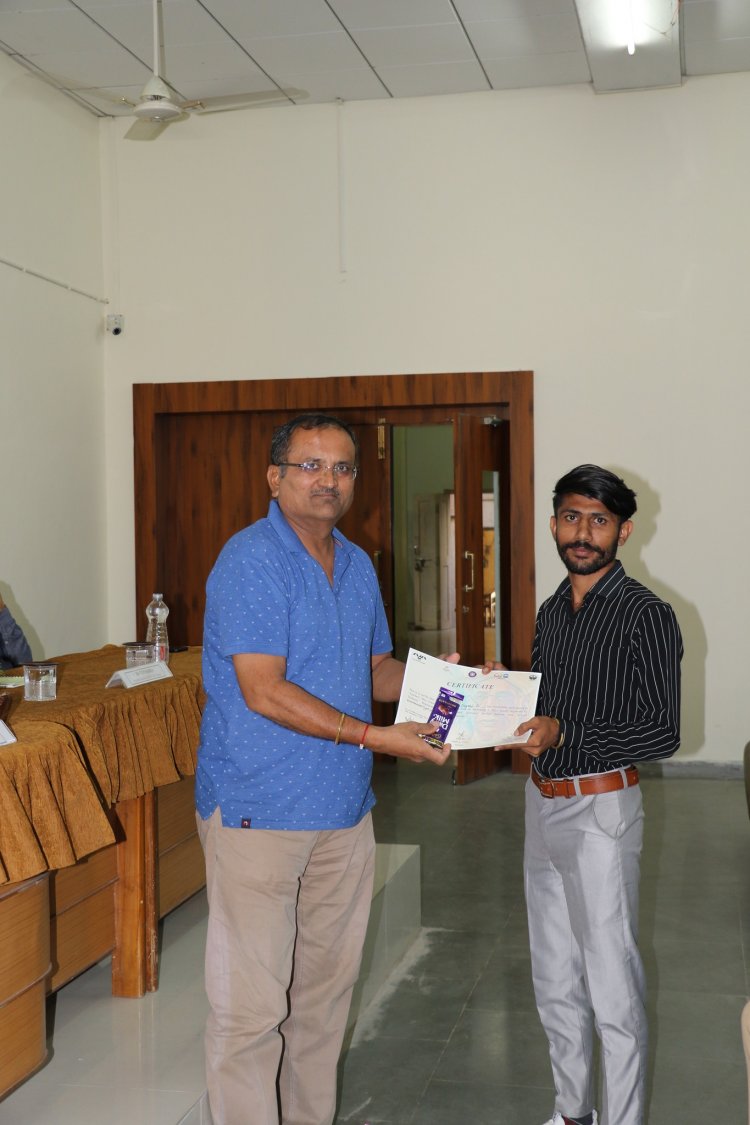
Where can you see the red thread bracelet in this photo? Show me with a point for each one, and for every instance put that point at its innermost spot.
(362, 739)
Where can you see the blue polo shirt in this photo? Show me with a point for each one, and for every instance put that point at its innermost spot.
(267, 594)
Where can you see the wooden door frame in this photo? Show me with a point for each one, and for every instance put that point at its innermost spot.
(399, 399)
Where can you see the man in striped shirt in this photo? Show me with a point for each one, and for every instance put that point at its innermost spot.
(609, 653)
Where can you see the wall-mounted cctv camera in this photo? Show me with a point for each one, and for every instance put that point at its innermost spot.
(115, 324)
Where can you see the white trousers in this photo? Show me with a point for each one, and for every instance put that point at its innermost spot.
(581, 872)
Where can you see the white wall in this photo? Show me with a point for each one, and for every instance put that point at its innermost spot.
(601, 241)
(52, 538)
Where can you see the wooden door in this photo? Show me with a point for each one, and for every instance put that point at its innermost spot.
(210, 483)
(480, 451)
(369, 523)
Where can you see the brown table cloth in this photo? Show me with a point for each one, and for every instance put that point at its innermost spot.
(91, 747)
(50, 813)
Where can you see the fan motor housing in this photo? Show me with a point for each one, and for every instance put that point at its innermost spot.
(157, 109)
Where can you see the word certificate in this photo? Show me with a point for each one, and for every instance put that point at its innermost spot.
(490, 710)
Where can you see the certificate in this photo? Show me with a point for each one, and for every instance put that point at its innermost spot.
(490, 710)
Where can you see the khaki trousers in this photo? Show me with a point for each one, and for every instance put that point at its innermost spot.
(288, 913)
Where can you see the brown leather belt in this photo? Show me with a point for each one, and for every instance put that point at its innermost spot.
(585, 786)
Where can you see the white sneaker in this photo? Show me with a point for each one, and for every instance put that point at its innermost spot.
(558, 1119)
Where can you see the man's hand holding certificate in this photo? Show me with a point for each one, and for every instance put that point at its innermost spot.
(472, 709)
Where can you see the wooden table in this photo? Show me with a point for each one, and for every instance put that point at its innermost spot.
(90, 769)
(97, 837)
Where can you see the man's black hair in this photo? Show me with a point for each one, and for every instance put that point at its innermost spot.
(598, 484)
(282, 435)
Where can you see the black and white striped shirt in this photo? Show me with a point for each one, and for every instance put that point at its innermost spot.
(610, 674)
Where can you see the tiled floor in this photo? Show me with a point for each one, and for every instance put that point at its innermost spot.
(453, 1038)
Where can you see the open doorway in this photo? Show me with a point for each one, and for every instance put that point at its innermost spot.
(424, 556)
(424, 545)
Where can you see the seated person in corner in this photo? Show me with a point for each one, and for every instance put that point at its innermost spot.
(14, 648)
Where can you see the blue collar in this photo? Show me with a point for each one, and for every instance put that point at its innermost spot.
(289, 536)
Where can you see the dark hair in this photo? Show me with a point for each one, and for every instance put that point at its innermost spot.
(598, 484)
(282, 435)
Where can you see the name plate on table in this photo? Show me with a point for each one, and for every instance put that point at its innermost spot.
(6, 735)
(142, 674)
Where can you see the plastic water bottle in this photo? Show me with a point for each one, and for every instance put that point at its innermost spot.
(156, 633)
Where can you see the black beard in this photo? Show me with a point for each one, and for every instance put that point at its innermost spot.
(578, 566)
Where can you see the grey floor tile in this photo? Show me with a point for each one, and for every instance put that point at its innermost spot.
(505, 984)
(381, 1081)
(709, 916)
(425, 1005)
(462, 870)
(463, 910)
(673, 964)
(683, 1093)
(496, 1049)
(697, 1025)
(464, 1103)
(455, 954)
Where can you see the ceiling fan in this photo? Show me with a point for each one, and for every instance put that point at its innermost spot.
(158, 105)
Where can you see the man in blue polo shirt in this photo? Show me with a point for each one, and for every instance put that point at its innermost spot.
(296, 645)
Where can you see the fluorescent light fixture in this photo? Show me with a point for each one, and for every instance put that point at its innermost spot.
(631, 44)
(630, 4)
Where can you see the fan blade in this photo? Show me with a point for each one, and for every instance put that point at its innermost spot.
(146, 130)
(244, 101)
(100, 99)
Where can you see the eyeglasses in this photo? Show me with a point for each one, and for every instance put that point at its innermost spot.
(317, 468)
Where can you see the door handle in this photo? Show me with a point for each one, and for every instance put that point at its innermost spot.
(468, 588)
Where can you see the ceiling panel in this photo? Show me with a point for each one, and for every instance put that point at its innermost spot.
(472, 11)
(355, 49)
(356, 14)
(415, 46)
(440, 78)
(716, 19)
(517, 72)
(261, 18)
(326, 50)
(35, 32)
(76, 69)
(184, 22)
(495, 39)
(717, 57)
(191, 62)
(329, 86)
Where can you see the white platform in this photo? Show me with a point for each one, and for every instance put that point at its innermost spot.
(395, 919)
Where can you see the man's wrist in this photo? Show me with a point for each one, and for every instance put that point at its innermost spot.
(560, 741)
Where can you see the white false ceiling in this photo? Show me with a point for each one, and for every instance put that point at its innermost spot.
(305, 51)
